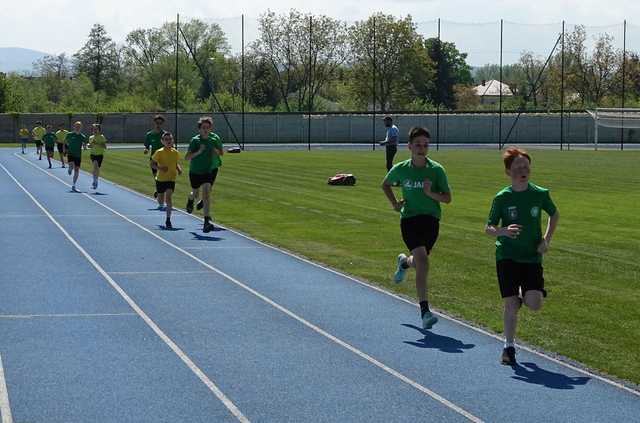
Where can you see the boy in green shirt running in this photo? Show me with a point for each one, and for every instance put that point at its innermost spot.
(152, 143)
(201, 153)
(75, 140)
(61, 137)
(424, 186)
(37, 133)
(23, 134)
(520, 244)
(49, 139)
(98, 145)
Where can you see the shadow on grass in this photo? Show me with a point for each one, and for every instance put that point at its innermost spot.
(435, 341)
(532, 373)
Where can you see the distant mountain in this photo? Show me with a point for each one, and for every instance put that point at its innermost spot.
(15, 59)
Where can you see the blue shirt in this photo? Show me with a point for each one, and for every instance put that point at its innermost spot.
(393, 135)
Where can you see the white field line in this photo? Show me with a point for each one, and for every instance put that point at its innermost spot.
(291, 314)
(5, 407)
(170, 343)
(391, 294)
(185, 272)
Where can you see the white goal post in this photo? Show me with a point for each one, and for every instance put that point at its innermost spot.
(613, 118)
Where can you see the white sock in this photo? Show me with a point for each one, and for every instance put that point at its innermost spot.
(508, 344)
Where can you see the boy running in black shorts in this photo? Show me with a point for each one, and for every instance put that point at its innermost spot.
(520, 244)
(424, 186)
(165, 160)
(98, 145)
(75, 141)
(49, 139)
(37, 133)
(153, 142)
(23, 134)
(61, 139)
(201, 152)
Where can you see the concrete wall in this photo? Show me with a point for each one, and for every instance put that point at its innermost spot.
(292, 128)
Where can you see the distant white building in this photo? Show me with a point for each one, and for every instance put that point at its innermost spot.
(489, 91)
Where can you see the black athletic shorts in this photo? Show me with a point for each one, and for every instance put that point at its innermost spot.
(420, 231)
(38, 143)
(513, 275)
(206, 178)
(73, 159)
(95, 158)
(163, 186)
(48, 149)
(60, 148)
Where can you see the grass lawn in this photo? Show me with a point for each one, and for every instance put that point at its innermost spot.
(592, 272)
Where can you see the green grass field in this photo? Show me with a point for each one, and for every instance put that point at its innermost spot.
(592, 272)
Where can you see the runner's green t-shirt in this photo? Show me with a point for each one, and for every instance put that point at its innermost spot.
(216, 161)
(202, 163)
(49, 140)
(61, 136)
(74, 143)
(411, 178)
(98, 144)
(153, 141)
(522, 208)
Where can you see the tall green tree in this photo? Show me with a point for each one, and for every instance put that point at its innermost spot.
(99, 60)
(3, 92)
(395, 48)
(451, 69)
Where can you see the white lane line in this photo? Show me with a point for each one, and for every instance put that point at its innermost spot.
(70, 315)
(253, 247)
(174, 347)
(382, 291)
(5, 407)
(185, 272)
(291, 314)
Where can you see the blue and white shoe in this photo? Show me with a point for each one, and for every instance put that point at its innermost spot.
(400, 270)
(428, 320)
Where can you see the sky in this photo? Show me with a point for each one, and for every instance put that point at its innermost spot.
(63, 25)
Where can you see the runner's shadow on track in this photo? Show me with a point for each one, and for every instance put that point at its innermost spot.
(435, 341)
(99, 193)
(531, 373)
(164, 228)
(199, 237)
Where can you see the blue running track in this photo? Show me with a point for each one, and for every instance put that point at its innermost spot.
(107, 317)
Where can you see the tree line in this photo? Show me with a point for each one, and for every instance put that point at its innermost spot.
(301, 61)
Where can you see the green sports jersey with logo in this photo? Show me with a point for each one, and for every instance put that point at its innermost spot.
(61, 136)
(74, 143)
(38, 132)
(49, 139)
(216, 161)
(98, 144)
(153, 140)
(203, 162)
(411, 178)
(522, 208)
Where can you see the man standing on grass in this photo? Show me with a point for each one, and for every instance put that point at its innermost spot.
(520, 244)
(61, 139)
(38, 133)
(49, 140)
(390, 141)
(75, 141)
(165, 160)
(200, 153)
(153, 142)
(424, 186)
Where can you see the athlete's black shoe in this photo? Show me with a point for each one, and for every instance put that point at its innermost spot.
(155, 194)
(508, 357)
(208, 226)
(168, 225)
(189, 207)
(199, 205)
